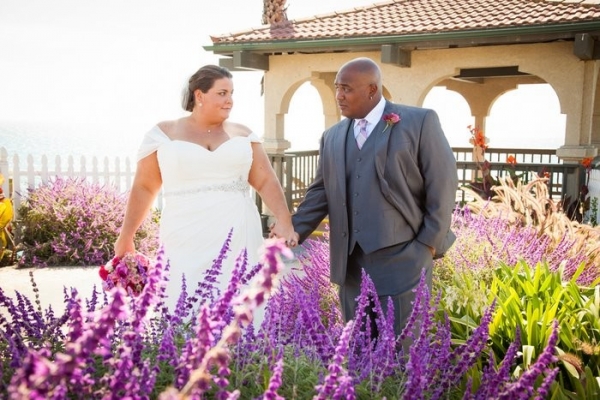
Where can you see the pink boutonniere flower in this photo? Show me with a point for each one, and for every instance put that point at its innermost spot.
(390, 119)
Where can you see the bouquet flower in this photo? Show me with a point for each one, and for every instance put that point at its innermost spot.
(130, 272)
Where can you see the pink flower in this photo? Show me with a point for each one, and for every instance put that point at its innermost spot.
(130, 271)
(390, 119)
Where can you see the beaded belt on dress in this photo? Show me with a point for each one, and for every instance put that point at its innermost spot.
(235, 186)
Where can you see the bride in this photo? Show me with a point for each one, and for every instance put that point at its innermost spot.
(205, 166)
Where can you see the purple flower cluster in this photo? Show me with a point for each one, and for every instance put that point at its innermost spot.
(338, 384)
(132, 347)
(484, 242)
(70, 221)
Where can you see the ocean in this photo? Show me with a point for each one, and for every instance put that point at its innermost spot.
(122, 140)
(36, 139)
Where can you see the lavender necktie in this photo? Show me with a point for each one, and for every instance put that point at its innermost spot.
(362, 133)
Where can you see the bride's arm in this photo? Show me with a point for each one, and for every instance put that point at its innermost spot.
(263, 179)
(145, 188)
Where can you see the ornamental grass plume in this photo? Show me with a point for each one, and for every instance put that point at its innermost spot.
(530, 206)
(487, 236)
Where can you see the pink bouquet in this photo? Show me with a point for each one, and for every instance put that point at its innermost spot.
(130, 272)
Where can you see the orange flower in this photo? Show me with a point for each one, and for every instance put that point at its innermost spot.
(511, 160)
(587, 162)
(478, 139)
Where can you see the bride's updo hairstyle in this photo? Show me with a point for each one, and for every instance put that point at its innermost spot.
(203, 79)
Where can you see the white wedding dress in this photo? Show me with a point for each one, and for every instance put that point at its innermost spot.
(206, 195)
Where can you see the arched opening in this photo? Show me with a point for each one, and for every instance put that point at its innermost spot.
(454, 112)
(304, 120)
(527, 117)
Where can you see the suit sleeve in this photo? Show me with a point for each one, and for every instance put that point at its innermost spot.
(314, 208)
(440, 179)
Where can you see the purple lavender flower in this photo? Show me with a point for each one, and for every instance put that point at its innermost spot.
(275, 381)
(524, 388)
(336, 378)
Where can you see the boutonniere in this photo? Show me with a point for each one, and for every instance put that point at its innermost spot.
(390, 119)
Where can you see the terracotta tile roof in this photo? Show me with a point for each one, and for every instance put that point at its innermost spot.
(413, 17)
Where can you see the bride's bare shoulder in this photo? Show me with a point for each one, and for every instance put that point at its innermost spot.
(236, 129)
(167, 126)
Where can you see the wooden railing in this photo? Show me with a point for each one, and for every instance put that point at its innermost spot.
(296, 171)
(499, 155)
(561, 177)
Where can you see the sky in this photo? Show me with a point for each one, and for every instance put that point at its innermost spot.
(117, 67)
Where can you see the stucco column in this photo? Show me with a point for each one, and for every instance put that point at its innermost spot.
(274, 139)
(596, 112)
(274, 136)
(324, 83)
(572, 152)
(590, 83)
(576, 91)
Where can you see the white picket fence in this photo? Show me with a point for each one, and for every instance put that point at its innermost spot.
(19, 176)
(119, 173)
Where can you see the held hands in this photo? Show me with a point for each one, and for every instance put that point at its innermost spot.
(284, 230)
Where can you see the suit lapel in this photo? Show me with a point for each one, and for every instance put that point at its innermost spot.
(339, 148)
(381, 144)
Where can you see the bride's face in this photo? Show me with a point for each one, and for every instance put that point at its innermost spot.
(219, 99)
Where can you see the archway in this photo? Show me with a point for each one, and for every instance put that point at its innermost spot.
(527, 117)
(454, 112)
(304, 120)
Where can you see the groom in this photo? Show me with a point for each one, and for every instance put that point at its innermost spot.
(390, 201)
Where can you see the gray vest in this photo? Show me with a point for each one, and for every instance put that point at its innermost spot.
(371, 218)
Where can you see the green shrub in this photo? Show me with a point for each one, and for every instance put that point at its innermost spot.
(528, 300)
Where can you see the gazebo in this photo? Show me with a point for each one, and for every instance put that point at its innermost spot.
(478, 48)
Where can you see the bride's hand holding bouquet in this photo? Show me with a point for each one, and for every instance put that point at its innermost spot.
(129, 272)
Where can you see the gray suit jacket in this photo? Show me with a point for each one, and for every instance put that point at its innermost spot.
(416, 172)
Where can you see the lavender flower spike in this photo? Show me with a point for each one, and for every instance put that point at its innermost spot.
(337, 384)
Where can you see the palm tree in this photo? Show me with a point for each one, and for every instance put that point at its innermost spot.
(274, 12)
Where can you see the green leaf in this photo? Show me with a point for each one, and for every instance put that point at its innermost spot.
(528, 355)
(568, 366)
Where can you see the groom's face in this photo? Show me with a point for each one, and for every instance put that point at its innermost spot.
(352, 92)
